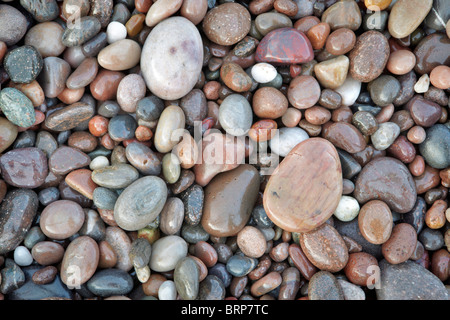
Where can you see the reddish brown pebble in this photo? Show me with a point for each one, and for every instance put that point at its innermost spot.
(107, 256)
(429, 179)
(202, 268)
(401, 62)
(206, 253)
(47, 252)
(401, 244)
(440, 77)
(262, 130)
(306, 23)
(82, 140)
(435, 215)
(291, 117)
(266, 284)
(288, 7)
(317, 115)
(417, 166)
(375, 221)
(440, 264)
(340, 41)
(45, 275)
(61, 219)
(98, 125)
(269, 103)
(80, 180)
(143, 133)
(416, 134)
(104, 87)
(303, 92)
(360, 268)
(318, 35)
(151, 287)
(280, 252)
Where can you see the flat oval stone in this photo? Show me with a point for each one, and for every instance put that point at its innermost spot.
(406, 16)
(303, 92)
(143, 158)
(24, 168)
(169, 129)
(84, 74)
(140, 203)
(167, 252)
(117, 176)
(171, 62)
(61, 219)
(385, 136)
(284, 46)
(17, 212)
(65, 159)
(436, 147)
(47, 46)
(122, 127)
(13, 25)
(401, 244)
(77, 34)
(47, 252)
(23, 64)
(235, 115)
(172, 216)
(389, 180)
(121, 245)
(17, 108)
(369, 56)
(80, 261)
(325, 248)
(345, 136)
(186, 277)
(120, 55)
(240, 184)
(375, 221)
(69, 117)
(324, 286)
(314, 168)
(110, 282)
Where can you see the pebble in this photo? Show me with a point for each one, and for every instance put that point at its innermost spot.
(12, 277)
(401, 244)
(120, 55)
(429, 53)
(65, 159)
(194, 105)
(107, 256)
(116, 176)
(110, 282)
(303, 92)
(89, 26)
(17, 108)
(61, 219)
(349, 91)
(181, 54)
(53, 76)
(324, 286)
(399, 25)
(167, 252)
(340, 41)
(385, 136)
(13, 25)
(300, 214)
(186, 278)
(347, 209)
(235, 77)
(251, 242)
(435, 149)
(240, 266)
(121, 246)
(115, 31)
(45, 275)
(235, 115)
(345, 136)
(263, 72)
(143, 159)
(375, 221)
(47, 46)
(425, 113)
(47, 252)
(332, 73)
(401, 62)
(22, 256)
(131, 89)
(8, 133)
(105, 84)
(269, 103)
(93, 225)
(351, 291)
(211, 288)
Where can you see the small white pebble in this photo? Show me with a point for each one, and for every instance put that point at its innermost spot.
(167, 291)
(115, 31)
(347, 209)
(98, 163)
(264, 72)
(22, 256)
(422, 84)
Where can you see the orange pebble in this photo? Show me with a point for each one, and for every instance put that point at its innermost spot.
(262, 130)
(440, 77)
(98, 125)
(143, 133)
(318, 35)
(377, 5)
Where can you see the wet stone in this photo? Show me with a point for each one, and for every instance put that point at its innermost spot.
(12, 277)
(23, 64)
(436, 147)
(110, 282)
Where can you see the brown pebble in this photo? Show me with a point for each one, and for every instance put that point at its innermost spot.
(251, 241)
(107, 257)
(401, 244)
(360, 268)
(45, 275)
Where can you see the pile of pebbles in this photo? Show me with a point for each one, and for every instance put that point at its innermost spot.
(224, 150)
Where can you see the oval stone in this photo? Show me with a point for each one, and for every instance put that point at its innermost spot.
(229, 200)
(389, 180)
(61, 219)
(169, 129)
(406, 16)
(80, 261)
(17, 108)
(167, 252)
(306, 187)
(140, 203)
(69, 117)
(117, 176)
(375, 221)
(401, 244)
(436, 147)
(120, 55)
(171, 61)
(110, 282)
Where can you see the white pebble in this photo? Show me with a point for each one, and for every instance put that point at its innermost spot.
(264, 72)
(422, 84)
(349, 91)
(286, 139)
(347, 209)
(115, 31)
(22, 256)
(167, 291)
(98, 163)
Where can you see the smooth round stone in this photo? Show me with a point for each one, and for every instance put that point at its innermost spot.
(251, 241)
(324, 286)
(437, 17)
(269, 21)
(351, 291)
(23, 64)
(104, 87)
(24, 168)
(307, 210)
(17, 212)
(80, 181)
(436, 147)
(61, 219)
(402, 149)
(401, 244)
(115, 31)
(365, 122)
(33, 236)
(143, 159)
(83, 75)
(38, 37)
(396, 283)
(345, 136)
(284, 46)
(53, 76)
(211, 288)
(172, 216)
(121, 55)
(369, 56)
(104, 198)
(167, 291)
(235, 115)
(385, 136)
(347, 209)
(167, 252)
(286, 139)
(332, 73)
(325, 248)
(117, 176)
(263, 72)
(239, 266)
(303, 92)
(69, 117)
(401, 62)
(384, 90)
(425, 113)
(349, 91)
(22, 256)
(82, 140)
(17, 108)
(340, 41)
(169, 129)
(65, 159)
(45, 275)
(269, 103)
(41, 11)
(32, 90)
(240, 184)
(227, 24)
(406, 16)
(79, 33)
(360, 267)
(133, 209)
(235, 78)
(194, 234)
(8, 134)
(47, 252)
(98, 163)
(389, 180)
(193, 10)
(110, 282)
(122, 127)
(439, 77)
(80, 261)
(149, 108)
(431, 239)
(431, 52)
(194, 105)
(343, 14)
(13, 25)
(186, 277)
(375, 221)
(171, 62)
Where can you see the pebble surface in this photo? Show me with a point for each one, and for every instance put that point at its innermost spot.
(224, 150)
